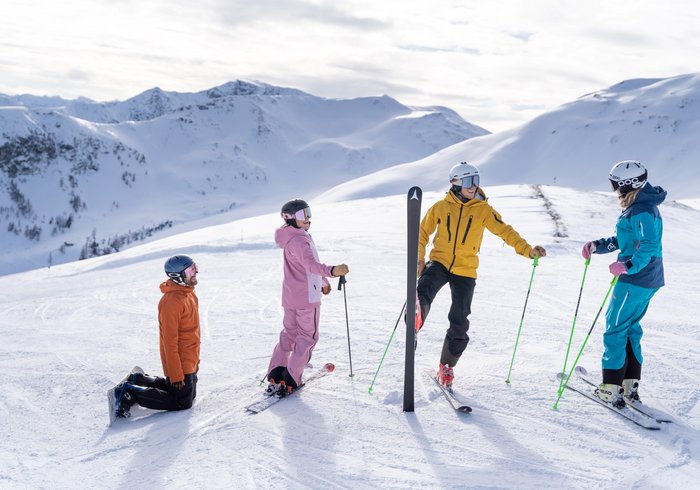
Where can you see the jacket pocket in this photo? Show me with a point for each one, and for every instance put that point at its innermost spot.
(466, 231)
(449, 232)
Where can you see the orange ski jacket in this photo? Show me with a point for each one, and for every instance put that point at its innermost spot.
(178, 317)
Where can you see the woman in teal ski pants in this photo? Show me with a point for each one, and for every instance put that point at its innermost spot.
(640, 271)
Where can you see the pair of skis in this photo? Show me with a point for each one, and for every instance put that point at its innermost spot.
(634, 411)
(268, 401)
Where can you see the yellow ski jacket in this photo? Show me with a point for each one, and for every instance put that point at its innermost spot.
(460, 231)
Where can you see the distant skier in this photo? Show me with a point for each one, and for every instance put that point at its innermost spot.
(460, 219)
(640, 269)
(304, 281)
(178, 317)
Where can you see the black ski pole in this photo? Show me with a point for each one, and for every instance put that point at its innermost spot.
(341, 285)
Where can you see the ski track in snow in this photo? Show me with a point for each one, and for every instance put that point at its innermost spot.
(68, 336)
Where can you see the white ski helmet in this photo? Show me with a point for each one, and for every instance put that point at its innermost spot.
(464, 175)
(628, 175)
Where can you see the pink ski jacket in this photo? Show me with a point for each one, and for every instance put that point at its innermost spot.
(304, 275)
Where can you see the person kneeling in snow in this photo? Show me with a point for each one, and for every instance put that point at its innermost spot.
(178, 316)
(304, 281)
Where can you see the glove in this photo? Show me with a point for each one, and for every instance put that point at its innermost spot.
(421, 268)
(326, 289)
(618, 268)
(537, 251)
(588, 249)
(340, 270)
(178, 385)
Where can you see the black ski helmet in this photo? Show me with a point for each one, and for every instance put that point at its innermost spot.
(175, 268)
(290, 208)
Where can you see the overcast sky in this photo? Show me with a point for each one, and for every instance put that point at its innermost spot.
(498, 63)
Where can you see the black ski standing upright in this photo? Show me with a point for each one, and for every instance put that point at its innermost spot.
(415, 197)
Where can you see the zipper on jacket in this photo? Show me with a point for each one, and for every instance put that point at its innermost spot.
(449, 232)
(454, 247)
(469, 224)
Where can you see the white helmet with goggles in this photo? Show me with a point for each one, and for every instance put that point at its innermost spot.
(464, 175)
(627, 176)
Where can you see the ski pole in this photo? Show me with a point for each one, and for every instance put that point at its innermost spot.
(571, 335)
(517, 338)
(573, 366)
(387, 348)
(341, 285)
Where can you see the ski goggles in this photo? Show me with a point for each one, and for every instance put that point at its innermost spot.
(191, 271)
(301, 215)
(627, 185)
(467, 182)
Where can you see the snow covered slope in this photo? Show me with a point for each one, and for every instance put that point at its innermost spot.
(68, 333)
(81, 178)
(654, 121)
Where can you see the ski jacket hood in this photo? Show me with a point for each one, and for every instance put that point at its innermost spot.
(304, 274)
(650, 195)
(178, 318)
(459, 230)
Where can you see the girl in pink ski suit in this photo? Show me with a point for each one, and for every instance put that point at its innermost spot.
(304, 281)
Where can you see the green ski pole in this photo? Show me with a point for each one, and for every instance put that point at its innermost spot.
(517, 338)
(386, 349)
(571, 336)
(573, 366)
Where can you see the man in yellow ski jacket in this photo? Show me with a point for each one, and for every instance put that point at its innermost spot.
(459, 221)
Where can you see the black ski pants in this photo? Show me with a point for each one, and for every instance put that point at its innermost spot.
(434, 277)
(157, 393)
(632, 369)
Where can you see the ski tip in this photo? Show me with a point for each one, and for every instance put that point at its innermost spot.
(581, 370)
(329, 366)
(465, 409)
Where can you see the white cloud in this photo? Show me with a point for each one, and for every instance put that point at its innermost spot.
(497, 63)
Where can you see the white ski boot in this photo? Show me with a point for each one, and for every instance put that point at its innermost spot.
(631, 390)
(611, 394)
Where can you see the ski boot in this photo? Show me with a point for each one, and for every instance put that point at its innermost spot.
(611, 394)
(273, 388)
(446, 375)
(631, 390)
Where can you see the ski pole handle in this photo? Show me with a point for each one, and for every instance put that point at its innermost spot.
(341, 281)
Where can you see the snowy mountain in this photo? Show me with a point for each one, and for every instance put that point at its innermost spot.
(81, 178)
(69, 333)
(654, 121)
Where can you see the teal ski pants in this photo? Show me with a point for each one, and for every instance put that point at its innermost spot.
(627, 307)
